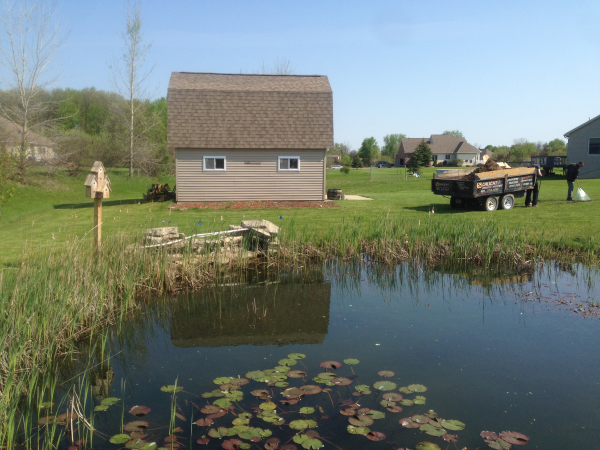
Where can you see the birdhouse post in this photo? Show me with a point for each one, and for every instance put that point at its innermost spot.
(97, 186)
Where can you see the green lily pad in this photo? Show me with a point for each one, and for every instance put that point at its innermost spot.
(282, 384)
(385, 385)
(392, 397)
(417, 388)
(312, 444)
(267, 406)
(361, 421)
(351, 361)
(373, 414)
(405, 390)
(101, 408)
(311, 423)
(420, 419)
(171, 388)
(287, 362)
(236, 396)
(222, 380)
(433, 431)
(406, 402)
(119, 439)
(327, 376)
(307, 410)
(135, 444)
(427, 446)
(46, 420)
(297, 356)
(358, 430)
(109, 401)
(453, 425)
(386, 373)
(363, 389)
(498, 444)
(216, 393)
(387, 403)
(255, 374)
(222, 402)
(300, 438)
(282, 369)
(45, 405)
(420, 400)
(150, 446)
(298, 424)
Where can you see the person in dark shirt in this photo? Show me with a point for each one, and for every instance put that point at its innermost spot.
(572, 174)
(535, 191)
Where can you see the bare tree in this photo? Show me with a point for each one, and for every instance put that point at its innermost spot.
(281, 66)
(129, 79)
(30, 41)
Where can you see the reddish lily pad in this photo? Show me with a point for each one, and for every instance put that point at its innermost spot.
(296, 374)
(294, 393)
(361, 421)
(138, 435)
(63, 419)
(239, 381)
(386, 373)
(427, 446)
(46, 420)
(375, 436)
(348, 412)
(204, 422)
(392, 397)
(289, 447)
(203, 441)
(331, 364)
(489, 435)
(450, 437)
(342, 381)
(210, 409)
(218, 414)
(272, 444)
(512, 437)
(420, 419)
(137, 425)
(409, 423)
(289, 401)
(395, 409)
(139, 410)
(231, 444)
(260, 393)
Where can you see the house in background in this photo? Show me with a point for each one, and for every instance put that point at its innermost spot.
(484, 155)
(39, 148)
(243, 137)
(444, 148)
(584, 145)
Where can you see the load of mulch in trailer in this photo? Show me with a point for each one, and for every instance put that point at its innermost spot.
(489, 166)
(254, 205)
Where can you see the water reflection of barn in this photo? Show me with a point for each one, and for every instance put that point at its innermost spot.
(265, 314)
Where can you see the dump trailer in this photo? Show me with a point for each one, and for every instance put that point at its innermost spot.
(488, 190)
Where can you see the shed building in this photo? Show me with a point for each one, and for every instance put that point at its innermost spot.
(249, 137)
(584, 145)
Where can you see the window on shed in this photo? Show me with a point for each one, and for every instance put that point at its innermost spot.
(214, 163)
(289, 163)
(594, 148)
(447, 156)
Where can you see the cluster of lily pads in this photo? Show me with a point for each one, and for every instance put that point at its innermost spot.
(272, 408)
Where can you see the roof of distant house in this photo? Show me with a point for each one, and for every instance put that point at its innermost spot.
(10, 133)
(440, 144)
(208, 110)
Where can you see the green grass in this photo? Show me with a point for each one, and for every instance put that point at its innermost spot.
(56, 205)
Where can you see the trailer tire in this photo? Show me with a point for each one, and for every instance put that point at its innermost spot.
(490, 203)
(507, 201)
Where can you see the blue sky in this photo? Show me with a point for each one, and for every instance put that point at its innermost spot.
(496, 70)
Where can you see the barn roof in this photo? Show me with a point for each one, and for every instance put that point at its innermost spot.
(218, 111)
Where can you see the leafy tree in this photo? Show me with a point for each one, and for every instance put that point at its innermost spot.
(369, 150)
(421, 157)
(391, 143)
(340, 148)
(522, 150)
(346, 160)
(456, 133)
(556, 147)
(357, 162)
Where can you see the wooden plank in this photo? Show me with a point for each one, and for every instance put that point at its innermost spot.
(519, 171)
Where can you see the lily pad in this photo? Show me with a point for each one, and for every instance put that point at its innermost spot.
(210, 409)
(298, 425)
(405, 390)
(427, 446)
(417, 388)
(260, 393)
(222, 402)
(363, 389)
(386, 373)
(137, 425)
(235, 396)
(498, 444)
(296, 374)
(387, 403)
(288, 362)
(63, 419)
(46, 420)
(282, 369)
(351, 361)
(239, 381)
(300, 438)
(489, 435)
(392, 397)
(432, 431)
(204, 422)
(139, 410)
(282, 384)
(453, 425)
(231, 444)
(450, 437)
(297, 356)
(341, 381)
(375, 436)
(420, 419)
(385, 385)
(395, 409)
(331, 364)
(512, 437)
(310, 389)
(327, 376)
(255, 374)
(119, 439)
(267, 406)
(135, 443)
(312, 444)
(171, 388)
(293, 393)
(45, 405)
(109, 401)
(101, 408)
(360, 421)
(409, 423)
(222, 380)
(203, 441)
(307, 410)
(406, 402)
(420, 400)
(373, 414)
(358, 430)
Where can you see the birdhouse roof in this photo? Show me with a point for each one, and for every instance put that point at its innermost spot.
(90, 180)
(97, 167)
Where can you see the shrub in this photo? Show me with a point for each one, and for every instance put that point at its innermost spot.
(345, 170)
(356, 162)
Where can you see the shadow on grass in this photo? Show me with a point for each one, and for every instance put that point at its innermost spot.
(90, 204)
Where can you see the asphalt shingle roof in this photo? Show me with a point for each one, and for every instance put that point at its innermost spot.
(440, 144)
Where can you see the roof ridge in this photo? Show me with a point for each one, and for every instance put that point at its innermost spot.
(250, 74)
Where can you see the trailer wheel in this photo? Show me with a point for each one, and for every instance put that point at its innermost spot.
(507, 201)
(490, 203)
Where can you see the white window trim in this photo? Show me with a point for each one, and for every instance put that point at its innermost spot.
(224, 169)
(589, 142)
(279, 169)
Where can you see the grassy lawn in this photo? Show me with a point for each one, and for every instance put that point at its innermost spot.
(56, 206)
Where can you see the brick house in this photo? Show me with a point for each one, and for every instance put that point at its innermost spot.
(249, 137)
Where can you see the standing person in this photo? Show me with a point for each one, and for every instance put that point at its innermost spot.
(572, 174)
(535, 191)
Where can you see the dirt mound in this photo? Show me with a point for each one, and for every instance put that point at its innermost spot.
(489, 166)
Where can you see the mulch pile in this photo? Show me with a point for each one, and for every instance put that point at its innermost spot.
(489, 166)
(254, 205)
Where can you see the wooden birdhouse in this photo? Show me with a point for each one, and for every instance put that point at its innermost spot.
(97, 184)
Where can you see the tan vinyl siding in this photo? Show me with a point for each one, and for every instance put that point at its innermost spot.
(242, 181)
(578, 149)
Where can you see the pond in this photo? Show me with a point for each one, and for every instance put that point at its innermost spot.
(496, 353)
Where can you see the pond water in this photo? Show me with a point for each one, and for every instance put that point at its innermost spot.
(498, 353)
